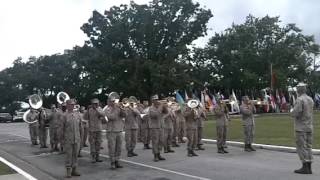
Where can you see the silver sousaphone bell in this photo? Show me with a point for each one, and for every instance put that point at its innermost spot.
(193, 103)
(35, 102)
(62, 97)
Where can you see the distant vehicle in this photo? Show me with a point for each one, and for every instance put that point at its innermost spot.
(5, 117)
(18, 116)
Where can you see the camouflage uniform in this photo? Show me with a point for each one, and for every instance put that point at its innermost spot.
(33, 127)
(115, 127)
(131, 129)
(222, 118)
(168, 131)
(247, 111)
(145, 131)
(71, 136)
(43, 131)
(181, 125)
(200, 123)
(95, 118)
(191, 127)
(156, 131)
(303, 126)
(54, 119)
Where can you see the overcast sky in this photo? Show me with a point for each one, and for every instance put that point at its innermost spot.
(45, 27)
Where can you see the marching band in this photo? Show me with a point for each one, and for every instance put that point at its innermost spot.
(164, 124)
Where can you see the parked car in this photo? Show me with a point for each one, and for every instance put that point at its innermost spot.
(18, 116)
(5, 117)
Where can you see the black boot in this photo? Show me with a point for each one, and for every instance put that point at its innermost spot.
(309, 167)
(251, 148)
(129, 154)
(246, 148)
(93, 158)
(160, 157)
(98, 158)
(170, 150)
(224, 151)
(303, 170)
(200, 147)
(220, 150)
(146, 146)
(189, 153)
(133, 153)
(113, 166)
(193, 153)
(156, 158)
(117, 164)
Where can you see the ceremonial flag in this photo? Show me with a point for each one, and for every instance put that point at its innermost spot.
(202, 100)
(179, 98)
(186, 97)
(234, 103)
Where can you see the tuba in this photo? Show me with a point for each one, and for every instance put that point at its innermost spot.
(35, 102)
(193, 104)
(62, 97)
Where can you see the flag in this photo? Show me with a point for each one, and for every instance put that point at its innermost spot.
(202, 101)
(179, 98)
(234, 103)
(186, 97)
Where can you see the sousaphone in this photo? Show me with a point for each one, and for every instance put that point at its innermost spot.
(62, 97)
(35, 102)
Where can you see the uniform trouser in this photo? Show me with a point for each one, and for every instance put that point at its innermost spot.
(156, 139)
(131, 138)
(181, 130)
(221, 136)
(139, 134)
(304, 145)
(167, 138)
(175, 132)
(95, 142)
(114, 145)
(81, 137)
(60, 136)
(34, 133)
(192, 138)
(54, 136)
(248, 134)
(43, 136)
(71, 154)
(85, 135)
(145, 135)
(200, 133)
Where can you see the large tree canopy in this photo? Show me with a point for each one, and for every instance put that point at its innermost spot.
(242, 56)
(141, 43)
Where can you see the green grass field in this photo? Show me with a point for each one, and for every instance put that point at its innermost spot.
(4, 169)
(270, 129)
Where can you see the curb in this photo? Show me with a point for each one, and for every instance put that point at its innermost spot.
(262, 146)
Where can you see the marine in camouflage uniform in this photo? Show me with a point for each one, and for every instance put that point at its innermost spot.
(247, 110)
(156, 128)
(33, 116)
(222, 119)
(115, 126)
(54, 120)
(95, 116)
(303, 126)
(71, 124)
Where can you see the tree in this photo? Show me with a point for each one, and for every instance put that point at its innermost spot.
(141, 43)
(243, 54)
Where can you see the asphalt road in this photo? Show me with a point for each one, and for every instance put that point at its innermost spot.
(238, 165)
